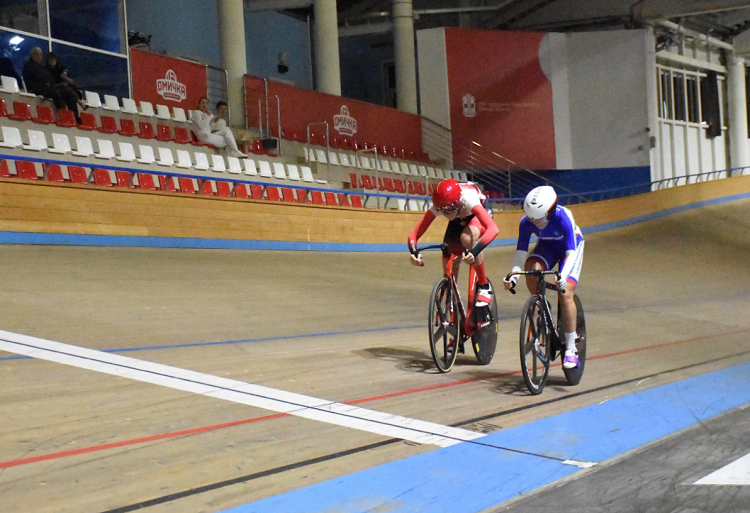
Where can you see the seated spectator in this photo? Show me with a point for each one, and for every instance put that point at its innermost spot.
(213, 129)
(39, 80)
(60, 72)
(8, 70)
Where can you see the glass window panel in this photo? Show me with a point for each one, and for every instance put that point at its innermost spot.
(693, 99)
(16, 49)
(94, 71)
(665, 106)
(94, 23)
(678, 81)
(20, 15)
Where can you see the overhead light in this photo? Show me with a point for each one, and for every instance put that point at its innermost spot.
(16, 40)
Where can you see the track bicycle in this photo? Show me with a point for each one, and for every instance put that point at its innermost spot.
(541, 340)
(450, 323)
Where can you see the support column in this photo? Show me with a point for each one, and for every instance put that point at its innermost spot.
(403, 46)
(233, 57)
(326, 41)
(739, 144)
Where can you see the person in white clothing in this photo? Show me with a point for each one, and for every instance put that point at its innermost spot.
(213, 129)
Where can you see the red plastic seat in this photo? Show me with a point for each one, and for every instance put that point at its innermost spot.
(44, 115)
(258, 147)
(186, 185)
(388, 185)
(302, 195)
(127, 127)
(317, 197)
(240, 191)
(353, 180)
(207, 188)
(410, 187)
(256, 191)
(288, 195)
(123, 178)
(101, 177)
(224, 189)
(420, 188)
(356, 200)
(331, 199)
(4, 171)
(26, 170)
(77, 174)
(109, 125)
(166, 183)
(146, 181)
(67, 118)
(343, 200)
(181, 135)
(3, 109)
(53, 173)
(272, 193)
(163, 133)
(88, 121)
(367, 182)
(146, 131)
(21, 111)
(400, 186)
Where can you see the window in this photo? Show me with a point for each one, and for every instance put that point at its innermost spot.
(678, 86)
(17, 48)
(665, 94)
(94, 23)
(22, 15)
(95, 71)
(693, 99)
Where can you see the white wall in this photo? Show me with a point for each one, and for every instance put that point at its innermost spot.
(434, 99)
(606, 105)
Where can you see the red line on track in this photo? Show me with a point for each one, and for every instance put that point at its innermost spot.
(204, 429)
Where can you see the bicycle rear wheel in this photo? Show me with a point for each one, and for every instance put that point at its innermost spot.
(484, 340)
(444, 325)
(535, 346)
(574, 375)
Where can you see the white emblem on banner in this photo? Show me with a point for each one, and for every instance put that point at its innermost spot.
(170, 88)
(470, 106)
(344, 123)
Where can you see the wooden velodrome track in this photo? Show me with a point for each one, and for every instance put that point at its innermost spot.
(665, 299)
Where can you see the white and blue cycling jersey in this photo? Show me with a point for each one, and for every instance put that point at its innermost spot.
(560, 242)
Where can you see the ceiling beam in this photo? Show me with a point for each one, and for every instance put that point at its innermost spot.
(274, 5)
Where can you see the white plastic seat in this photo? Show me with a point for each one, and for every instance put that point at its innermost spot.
(111, 102)
(37, 141)
(84, 148)
(106, 149)
(309, 155)
(439, 172)
(462, 176)
(147, 109)
(218, 163)
(265, 169)
(386, 166)
(201, 161)
(345, 161)
(320, 156)
(293, 172)
(431, 172)
(165, 157)
(11, 137)
(404, 168)
(10, 85)
(333, 158)
(307, 174)
(250, 167)
(183, 159)
(60, 144)
(162, 112)
(178, 114)
(147, 154)
(92, 98)
(127, 152)
(129, 106)
(235, 167)
(279, 171)
(364, 162)
(422, 171)
(413, 170)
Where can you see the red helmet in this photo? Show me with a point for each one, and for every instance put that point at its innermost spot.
(447, 195)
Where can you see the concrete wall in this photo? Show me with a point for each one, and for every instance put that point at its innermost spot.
(433, 76)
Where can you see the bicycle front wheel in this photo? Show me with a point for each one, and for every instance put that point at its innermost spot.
(484, 340)
(535, 346)
(444, 325)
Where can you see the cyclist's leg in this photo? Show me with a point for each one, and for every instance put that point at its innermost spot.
(569, 309)
(452, 238)
(469, 237)
(537, 261)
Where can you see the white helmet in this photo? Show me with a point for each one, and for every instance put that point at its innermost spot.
(539, 202)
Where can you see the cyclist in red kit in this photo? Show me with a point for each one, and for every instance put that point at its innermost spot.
(470, 229)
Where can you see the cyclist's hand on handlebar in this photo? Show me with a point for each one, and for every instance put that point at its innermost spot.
(468, 257)
(416, 260)
(561, 284)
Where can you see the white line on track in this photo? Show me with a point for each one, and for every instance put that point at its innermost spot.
(736, 473)
(385, 424)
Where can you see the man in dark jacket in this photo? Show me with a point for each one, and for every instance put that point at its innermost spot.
(39, 80)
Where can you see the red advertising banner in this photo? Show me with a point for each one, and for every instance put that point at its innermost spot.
(359, 121)
(499, 95)
(167, 81)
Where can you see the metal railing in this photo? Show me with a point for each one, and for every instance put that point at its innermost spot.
(265, 130)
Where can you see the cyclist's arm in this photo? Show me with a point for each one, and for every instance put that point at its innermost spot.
(490, 229)
(419, 230)
(522, 247)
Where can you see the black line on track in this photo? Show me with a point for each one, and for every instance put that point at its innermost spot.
(293, 466)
